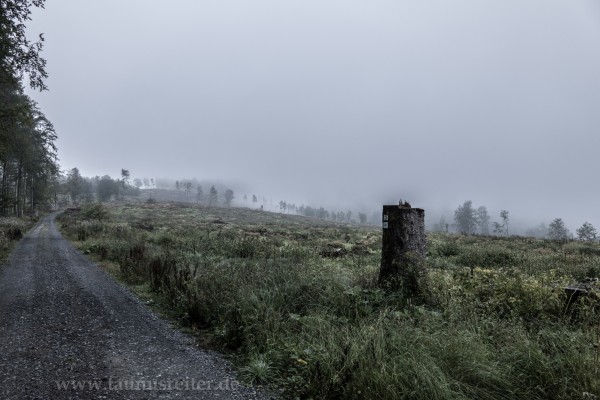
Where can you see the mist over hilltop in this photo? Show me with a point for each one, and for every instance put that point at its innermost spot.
(346, 104)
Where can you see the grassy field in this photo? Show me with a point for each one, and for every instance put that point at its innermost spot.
(295, 301)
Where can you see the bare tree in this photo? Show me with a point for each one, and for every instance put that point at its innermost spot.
(504, 217)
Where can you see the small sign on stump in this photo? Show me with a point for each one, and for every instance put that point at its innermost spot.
(404, 249)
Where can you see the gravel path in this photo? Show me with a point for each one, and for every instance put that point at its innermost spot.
(68, 331)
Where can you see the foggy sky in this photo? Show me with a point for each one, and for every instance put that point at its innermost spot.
(355, 103)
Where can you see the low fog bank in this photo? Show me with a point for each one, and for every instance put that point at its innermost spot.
(344, 106)
(362, 206)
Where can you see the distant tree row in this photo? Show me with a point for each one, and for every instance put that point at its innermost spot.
(309, 211)
(469, 220)
(79, 189)
(213, 196)
(28, 162)
(558, 231)
(321, 212)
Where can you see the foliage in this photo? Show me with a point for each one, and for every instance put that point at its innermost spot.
(95, 211)
(28, 162)
(465, 218)
(77, 187)
(557, 230)
(505, 220)
(362, 217)
(124, 183)
(228, 198)
(19, 56)
(106, 188)
(586, 232)
(199, 194)
(483, 220)
(318, 325)
(213, 196)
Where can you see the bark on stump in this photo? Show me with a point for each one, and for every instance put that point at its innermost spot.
(404, 250)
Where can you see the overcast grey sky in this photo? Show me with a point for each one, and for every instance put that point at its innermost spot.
(348, 102)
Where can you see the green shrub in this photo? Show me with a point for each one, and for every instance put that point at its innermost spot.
(95, 211)
(14, 228)
(447, 249)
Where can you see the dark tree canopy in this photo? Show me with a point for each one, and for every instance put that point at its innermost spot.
(107, 188)
(28, 161)
(228, 198)
(214, 195)
(19, 56)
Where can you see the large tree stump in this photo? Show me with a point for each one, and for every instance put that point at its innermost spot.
(404, 249)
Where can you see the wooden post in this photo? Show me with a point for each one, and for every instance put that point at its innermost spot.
(404, 249)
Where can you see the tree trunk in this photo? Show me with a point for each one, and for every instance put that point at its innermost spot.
(3, 190)
(31, 202)
(18, 190)
(404, 250)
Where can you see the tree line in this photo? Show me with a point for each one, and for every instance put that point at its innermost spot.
(213, 198)
(73, 188)
(469, 220)
(28, 159)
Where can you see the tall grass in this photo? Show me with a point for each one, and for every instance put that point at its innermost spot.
(298, 301)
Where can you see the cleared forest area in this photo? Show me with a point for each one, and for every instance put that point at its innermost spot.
(296, 302)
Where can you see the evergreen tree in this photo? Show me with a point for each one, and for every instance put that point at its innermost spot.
(214, 196)
(199, 194)
(18, 55)
(107, 188)
(228, 198)
(75, 185)
(187, 188)
(362, 217)
(557, 230)
(586, 232)
(483, 220)
(28, 164)
(504, 217)
(465, 218)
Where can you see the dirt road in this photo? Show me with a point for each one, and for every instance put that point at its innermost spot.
(68, 331)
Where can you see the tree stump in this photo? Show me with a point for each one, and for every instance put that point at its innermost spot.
(404, 249)
(577, 291)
